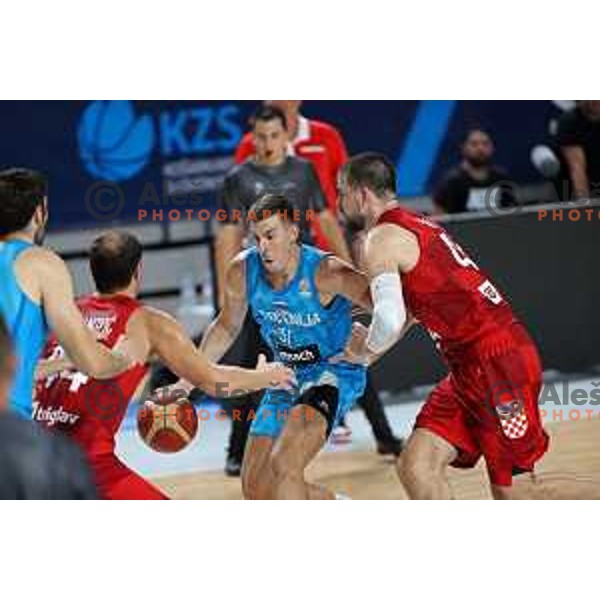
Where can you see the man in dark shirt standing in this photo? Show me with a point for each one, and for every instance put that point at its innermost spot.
(578, 137)
(34, 464)
(474, 184)
(272, 171)
(316, 141)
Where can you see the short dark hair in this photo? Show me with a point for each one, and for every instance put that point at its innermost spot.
(371, 170)
(21, 192)
(5, 346)
(267, 112)
(269, 205)
(474, 129)
(114, 257)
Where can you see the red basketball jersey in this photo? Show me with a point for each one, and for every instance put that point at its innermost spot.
(446, 291)
(90, 410)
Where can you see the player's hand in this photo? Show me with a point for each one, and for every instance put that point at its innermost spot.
(278, 375)
(48, 367)
(171, 393)
(354, 352)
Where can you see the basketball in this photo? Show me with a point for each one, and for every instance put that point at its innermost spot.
(167, 428)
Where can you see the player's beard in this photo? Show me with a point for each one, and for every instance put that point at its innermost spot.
(356, 223)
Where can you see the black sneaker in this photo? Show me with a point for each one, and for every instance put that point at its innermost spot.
(233, 467)
(391, 447)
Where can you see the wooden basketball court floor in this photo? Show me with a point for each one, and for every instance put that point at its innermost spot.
(574, 451)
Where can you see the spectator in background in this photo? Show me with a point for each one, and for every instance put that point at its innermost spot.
(323, 145)
(318, 142)
(35, 464)
(547, 158)
(578, 137)
(271, 170)
(474, 182)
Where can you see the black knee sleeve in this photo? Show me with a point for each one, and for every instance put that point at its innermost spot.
(324, 399)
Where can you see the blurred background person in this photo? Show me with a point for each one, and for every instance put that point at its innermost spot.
(35, 464)
(547, 159)
(316, 141)
(36, 290)
(271, 169)
(474, 182)
(578, 138)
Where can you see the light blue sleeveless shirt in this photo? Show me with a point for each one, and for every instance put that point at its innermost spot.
(27, 325)
(298, 329)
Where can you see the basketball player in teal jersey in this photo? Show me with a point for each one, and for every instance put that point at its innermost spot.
(301, 299)
(36, 291)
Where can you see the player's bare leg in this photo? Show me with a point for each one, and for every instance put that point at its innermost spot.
(257, 475)
(301, 439)
(530, 486)
(422, 466)
(258, 482)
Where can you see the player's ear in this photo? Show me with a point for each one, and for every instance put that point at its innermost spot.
(367, 196)
(39, 215)
(44, 207)
(138, 273)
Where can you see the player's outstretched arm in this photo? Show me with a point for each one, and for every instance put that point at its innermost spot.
(357, 351)
(170, 343)
(389, 251)
(51, 366)
(228, 243)
(223, 331)
(64, 318)
(338, 277)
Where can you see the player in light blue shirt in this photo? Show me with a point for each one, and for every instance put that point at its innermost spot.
(36, 291)
(302, 300)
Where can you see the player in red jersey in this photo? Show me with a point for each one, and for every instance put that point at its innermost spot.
(487, 405)
(91, 411)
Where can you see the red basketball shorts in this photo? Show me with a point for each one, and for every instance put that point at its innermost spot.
(488, 406)
(115, 481)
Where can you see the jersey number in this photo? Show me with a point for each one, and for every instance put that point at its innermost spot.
(459, 254)
(487, 288)
(76, 378)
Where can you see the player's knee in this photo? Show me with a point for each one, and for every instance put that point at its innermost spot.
(415, 470)
(410, 470)
(285, 465)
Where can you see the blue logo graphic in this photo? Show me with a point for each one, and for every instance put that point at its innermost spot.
(113, 143)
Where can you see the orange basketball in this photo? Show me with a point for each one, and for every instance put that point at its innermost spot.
(167, 427)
